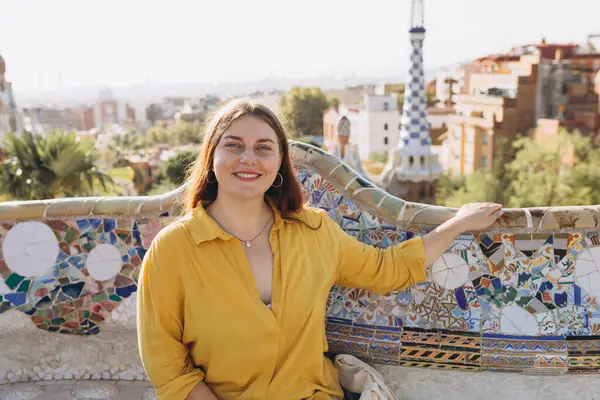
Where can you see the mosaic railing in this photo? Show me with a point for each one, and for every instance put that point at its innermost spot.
(522, 297)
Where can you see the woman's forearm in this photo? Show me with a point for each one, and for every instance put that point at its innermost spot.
(201, 392)
(438, 240)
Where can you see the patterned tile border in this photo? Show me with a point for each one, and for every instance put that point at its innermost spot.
(467, 351)
(441, 349)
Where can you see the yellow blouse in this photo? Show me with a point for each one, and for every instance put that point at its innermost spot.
(200, 316)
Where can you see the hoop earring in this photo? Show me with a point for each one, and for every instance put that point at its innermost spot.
(281, 183)
(208, 178)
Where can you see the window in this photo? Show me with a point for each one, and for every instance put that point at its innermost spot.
(411, 161)
(484, 161)
(422, 161)
(385, 127)
(385, 140)
(485, 139)
(386, 106)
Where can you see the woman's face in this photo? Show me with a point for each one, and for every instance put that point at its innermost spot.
(247, 159)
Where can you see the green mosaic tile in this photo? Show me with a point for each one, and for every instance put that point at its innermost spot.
(4, 305)
(88, 247)
(102, 296)
(127, 270)
(71, 235)
(24, 286)
(510, 294)
(123, 235)
(26, 308)
(14, 280)
(523, 301)
(114, 297)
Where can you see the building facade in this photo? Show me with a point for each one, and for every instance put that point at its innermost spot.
(504, 96)
(374, 125)
(109, 111)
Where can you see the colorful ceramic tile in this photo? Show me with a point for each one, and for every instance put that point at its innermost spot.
(493, 249)
(571, 320)
(78, 292)
(583, 354)
(524, 353)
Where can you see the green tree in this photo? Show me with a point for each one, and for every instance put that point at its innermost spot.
(301, 111)
(184, 133)
(528, 173)
(119, 147)
(157, 134)
(55, 165)
(177, 166)
(562, 171)
(334, 102)
(456, 191)
(181, 133)
(538, 176)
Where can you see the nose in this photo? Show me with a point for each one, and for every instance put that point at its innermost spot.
(248, 157)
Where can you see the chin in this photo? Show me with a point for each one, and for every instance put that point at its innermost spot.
(247, 193)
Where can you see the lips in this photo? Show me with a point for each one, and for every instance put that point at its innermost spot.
(247, 176)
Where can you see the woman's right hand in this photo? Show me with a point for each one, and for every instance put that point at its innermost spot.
(201, 392)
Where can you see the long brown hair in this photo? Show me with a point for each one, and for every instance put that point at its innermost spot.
(287, 197)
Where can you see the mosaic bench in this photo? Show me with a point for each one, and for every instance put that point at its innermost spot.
(522, 298)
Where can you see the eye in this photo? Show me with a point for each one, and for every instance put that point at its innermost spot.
(233, 145)
(264, 148)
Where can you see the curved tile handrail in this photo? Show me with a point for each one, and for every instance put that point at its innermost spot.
(367, 195)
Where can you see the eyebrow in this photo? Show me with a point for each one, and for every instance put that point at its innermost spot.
(241, 140)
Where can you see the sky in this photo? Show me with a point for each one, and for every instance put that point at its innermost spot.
(49, 44)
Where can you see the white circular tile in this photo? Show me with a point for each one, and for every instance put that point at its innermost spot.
(30, 248)
(450, 271)
(3, 288)
(587, 270)
(104, 262)
(516, 321)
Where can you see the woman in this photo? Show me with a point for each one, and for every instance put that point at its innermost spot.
(232, 298)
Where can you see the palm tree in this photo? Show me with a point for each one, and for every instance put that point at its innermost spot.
(56, 165)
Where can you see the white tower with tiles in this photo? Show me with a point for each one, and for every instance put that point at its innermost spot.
(413, 168)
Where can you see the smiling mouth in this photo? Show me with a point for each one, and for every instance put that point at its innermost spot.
(246, 176)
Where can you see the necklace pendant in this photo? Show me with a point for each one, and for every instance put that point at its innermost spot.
(248, 244)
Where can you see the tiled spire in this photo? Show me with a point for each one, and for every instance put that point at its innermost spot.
(412, 159)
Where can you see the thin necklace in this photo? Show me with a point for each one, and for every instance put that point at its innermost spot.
(248, 243)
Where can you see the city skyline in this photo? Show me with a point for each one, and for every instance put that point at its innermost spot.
(57, 46)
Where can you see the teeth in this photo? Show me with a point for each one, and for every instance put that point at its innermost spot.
(247, 175)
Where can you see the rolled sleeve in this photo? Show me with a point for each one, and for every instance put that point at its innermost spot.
(380, 270)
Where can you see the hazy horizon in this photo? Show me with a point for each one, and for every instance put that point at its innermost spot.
(69, 44)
